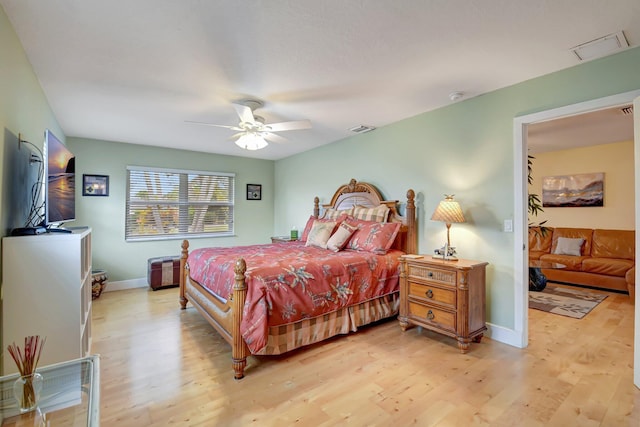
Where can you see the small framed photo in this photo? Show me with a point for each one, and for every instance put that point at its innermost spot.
(95, 185)
(254, 192)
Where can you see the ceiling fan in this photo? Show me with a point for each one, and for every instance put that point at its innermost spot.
(252, 131)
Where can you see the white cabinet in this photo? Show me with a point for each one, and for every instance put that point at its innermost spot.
(46, 291)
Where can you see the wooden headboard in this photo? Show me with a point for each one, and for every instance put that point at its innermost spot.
(364, 194)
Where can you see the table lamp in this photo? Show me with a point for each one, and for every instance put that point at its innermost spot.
(448, 211)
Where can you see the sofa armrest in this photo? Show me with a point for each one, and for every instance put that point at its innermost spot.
(630, 277)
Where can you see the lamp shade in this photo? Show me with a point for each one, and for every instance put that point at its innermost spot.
(251, 141)
(448, 211)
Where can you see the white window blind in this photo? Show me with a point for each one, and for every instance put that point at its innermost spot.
(170, 203)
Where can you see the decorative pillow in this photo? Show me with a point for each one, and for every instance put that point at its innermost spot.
(320, 233)
(307, 227)
(373, 237)
(567, 246)
(378, 214)
(339, 239)
(337, 213)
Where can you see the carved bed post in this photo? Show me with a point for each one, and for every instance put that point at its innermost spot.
(239, 348)
(183, 273)
(412, 235)
(316, 207)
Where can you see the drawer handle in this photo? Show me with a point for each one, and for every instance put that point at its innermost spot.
(430, 315)
(429, 293)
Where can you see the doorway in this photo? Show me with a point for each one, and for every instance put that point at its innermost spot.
(521, 320)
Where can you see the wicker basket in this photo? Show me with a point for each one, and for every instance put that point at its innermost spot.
(98, 282)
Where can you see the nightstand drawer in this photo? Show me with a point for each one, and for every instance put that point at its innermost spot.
(432, 293)
(436, 275)
(444, 319)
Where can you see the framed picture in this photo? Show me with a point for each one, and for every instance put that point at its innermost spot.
(95, 185)
(254, 192)
(586, 189)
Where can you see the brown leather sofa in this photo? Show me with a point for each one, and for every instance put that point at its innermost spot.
(606, 258)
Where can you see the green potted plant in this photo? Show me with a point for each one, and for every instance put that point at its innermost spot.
(535, 205)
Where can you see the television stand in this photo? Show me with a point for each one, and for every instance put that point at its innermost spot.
(58, 288)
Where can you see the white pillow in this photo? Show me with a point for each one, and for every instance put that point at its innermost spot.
(339, 239)
(320, 233)
(567, 246)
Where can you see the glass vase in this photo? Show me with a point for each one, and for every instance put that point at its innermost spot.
(27, 390)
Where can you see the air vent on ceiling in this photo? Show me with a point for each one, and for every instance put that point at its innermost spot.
(362, 129)
(627, 110)
(600, 47)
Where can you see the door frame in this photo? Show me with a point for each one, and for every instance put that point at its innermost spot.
(521, 253)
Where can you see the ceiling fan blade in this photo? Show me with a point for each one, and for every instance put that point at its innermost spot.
(272, 137)
(211, 124)
(245, 113)
(294, 125)
(236, 135)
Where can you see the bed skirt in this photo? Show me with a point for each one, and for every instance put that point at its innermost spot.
(288, 337)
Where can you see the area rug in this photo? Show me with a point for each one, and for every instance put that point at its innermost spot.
(566, 302)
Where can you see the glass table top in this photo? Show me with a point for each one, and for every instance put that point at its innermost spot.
(70, 396)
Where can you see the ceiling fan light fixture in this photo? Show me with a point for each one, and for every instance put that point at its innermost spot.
(251, 141)
(253, 133)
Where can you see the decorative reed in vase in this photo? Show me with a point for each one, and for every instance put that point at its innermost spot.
(27, 388)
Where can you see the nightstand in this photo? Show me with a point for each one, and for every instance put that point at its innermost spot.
(282, 239)
(447, 297)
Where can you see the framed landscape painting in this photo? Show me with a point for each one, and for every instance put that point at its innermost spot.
(578, 190)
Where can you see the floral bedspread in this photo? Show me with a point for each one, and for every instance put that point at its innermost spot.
(288, 281)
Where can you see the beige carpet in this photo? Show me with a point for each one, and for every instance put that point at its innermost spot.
(574, 303)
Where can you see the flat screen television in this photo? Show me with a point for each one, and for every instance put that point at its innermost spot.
(60, 188)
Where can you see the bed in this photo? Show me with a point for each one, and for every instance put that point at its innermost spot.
(269, 299)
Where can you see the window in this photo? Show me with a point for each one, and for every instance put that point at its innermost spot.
(170, 203)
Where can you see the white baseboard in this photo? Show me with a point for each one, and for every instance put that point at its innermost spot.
(504, 335)
(126, 284)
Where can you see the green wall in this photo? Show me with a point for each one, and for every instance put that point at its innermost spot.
(466, 149)
(24, 111)
(106, 215)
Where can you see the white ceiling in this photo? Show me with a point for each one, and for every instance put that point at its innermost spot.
(135, 70)
(587, 129)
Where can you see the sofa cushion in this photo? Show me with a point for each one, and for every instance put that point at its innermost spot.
(540, 240)
(607, 266)
(533, 255)
(573, 263)
(614, 244)
(573, 233)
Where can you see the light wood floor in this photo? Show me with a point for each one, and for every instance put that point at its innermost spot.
(164, 366)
